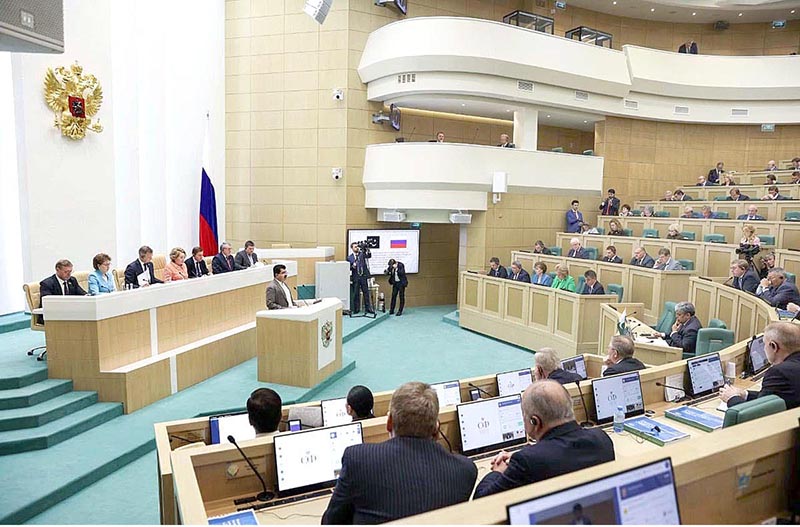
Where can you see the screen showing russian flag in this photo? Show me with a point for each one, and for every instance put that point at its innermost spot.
(401, 245)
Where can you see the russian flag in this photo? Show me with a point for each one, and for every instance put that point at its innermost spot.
(208, 207)
(397, 244)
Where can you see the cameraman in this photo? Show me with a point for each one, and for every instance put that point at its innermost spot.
(397, 279)
(359, 274)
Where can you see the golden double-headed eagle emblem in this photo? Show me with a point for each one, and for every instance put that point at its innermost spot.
(75, 99)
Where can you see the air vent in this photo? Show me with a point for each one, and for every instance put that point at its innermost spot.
(631, 105)
(681, 110)
(405, 78)
(525, 86)
(581, 95)
(740, 112)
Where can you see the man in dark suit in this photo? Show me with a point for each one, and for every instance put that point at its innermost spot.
(197, 265)
(223, 261)
(574, 217)
(776, 290)
(716, 173)
(399, 282)
(246, 258)
(592, 286)
(685, 328)
(782, 346)
(547, 366)
(680, 195)
(279, 296)
(406, 475)
(144, 265)
(562, 446)
(611, 255)
(576, 250)
(707, 213)
(610, 206)
(642, 259)
(619, 357)
(505, 142)
(518, 274)
(736, 195)
(744, 276)
(497, 270)
(359, 275)
(752, 214)
(774, 194)
(61, 283)
(689, 47)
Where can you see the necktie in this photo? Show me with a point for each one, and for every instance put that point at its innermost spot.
(66, 288)
(197, 268)
(227, 261)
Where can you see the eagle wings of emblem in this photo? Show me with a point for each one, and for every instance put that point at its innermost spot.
(75, 99)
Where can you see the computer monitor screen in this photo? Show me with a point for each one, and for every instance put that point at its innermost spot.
(394, 116)
(618, 390)
(402, 6)
(757, 355)
(512, 382)
(236, 425)
(491, 424)
(334, 412)
(449, 393)
(644, 495)
(312, 459)
(575, 364)
(705, 374)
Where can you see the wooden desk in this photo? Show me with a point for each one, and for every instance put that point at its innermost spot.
(771, 210)
(654, 354)
(754, 191)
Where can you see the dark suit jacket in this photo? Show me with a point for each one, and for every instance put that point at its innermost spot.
(615, 259)
(713, 176)
(596, 290)
(563, 376)
(747, 217)
(52, 286)
(609, 207)
(191, 267)
(508, 145)
(782, 380)
(624, 366)
(499, 273)
(219, 264)
(562, 450)
(686, 336)
(401, 276)
(647, 261)
(742, 197)
(748, 282)
(276, 298)
(403, 476)
(580, 253)
(134, 269)
(787, 292)
(522, 277)
(692, 49)
(240, 260)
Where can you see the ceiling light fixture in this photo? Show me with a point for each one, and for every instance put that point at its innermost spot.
(740, 14)
(584, 122)
(652, 9)
(462, 104)
(614, 2)
(792, 11)
(694, 14)
(548, 117)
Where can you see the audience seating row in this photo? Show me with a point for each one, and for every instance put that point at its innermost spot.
(754, 191)
(771, 210)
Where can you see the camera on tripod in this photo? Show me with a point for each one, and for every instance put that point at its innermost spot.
(748, 251)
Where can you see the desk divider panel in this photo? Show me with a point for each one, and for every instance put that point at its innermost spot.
(492, 297)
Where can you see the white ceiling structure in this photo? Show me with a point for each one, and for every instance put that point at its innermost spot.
(696, 11)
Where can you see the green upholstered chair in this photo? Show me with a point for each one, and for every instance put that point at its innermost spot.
(688, 265)
(588, 152)
(649, 233)
(749, 410)
(615, 289)
(592, 252)
(601, 230)
(552, 274)
(714, 238)
(687, 235)
(792, 215)
(661, 214)
(628, 232)
(721, 198)
(710, 340)
(717, 323)
(559, 149)
(667, 318)
(579, 283)
(767, 239)
(790, 277)
(555, 251)
(636, 212)
(723, 215)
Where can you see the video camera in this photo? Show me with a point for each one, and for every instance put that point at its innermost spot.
(748, 251)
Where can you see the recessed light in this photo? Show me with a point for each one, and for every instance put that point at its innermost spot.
(614, 2)
(548, 117)
(652, 9)
(792, 11)
(694, 14)
(462, 104)
(507, 111)
(740, 14)
(584, 122)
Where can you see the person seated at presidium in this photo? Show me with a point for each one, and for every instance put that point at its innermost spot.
(247, 257)
(776, 290)
(540, 276)
(665, 261)
(518, 274)
(141, 271)
(176, 268)
(263, 412)
(684, 330)
(101, 281)
(641, 258)
(668, 196)
(749, 235)
(610, 205)
(752, 214)
(563, 280)
(223, 261)
(561, 447)
(278, 294)
(615, 229)
(744, 277)
(611, 255)
(360, 403)
(680, 195)
(408, 474)
(592, 286)
(576, 250)
(703, 182)
(782, 347)
(197, 265)
(546, 365)
(61, 283)
(540, 248)
(495, 269)
(674, 232)
(619, 356)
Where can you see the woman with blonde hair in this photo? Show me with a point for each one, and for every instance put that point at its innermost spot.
(176, 268)
(674, 232)
(749, 235)
(615, 229)
(563, 280)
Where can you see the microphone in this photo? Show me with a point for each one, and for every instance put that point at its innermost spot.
(261, 496)
(587, 423)
(412, 133)
(685, 393)
(484, 392)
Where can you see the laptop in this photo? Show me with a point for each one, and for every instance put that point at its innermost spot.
(235, 424)
(575, 364)
(756, 356)
(491, 424)
(644, 495)
(449, 393)
(512, 382)
(623, 390)
(705, 374)
(334, 412)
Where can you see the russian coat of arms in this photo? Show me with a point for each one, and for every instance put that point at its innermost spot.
(74, 98)
(327, 333)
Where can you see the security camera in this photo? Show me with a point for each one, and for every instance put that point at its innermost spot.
(338, 94)
(336, 174)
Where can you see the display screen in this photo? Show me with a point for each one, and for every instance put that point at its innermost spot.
(402, 245)
(236, 425)
(402, 6)
(705, 374)
(575, 365)
(491, 424)
(618, 390)
(512, 382)
(394, 116)
(449, 393)
(758, 354)
(334, 412)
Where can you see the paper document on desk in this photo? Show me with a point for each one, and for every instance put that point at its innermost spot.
(723, 407)
(670, 394)
(654, 431)
(237, 518)
(143, 279)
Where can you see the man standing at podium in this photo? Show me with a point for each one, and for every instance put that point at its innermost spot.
(359, 274)
(278, 294)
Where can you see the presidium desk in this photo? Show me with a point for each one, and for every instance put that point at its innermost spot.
(139, 346)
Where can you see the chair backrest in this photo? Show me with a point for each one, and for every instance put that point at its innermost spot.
(723, 215)
(661, 214)
(667, 318)
(601, 230)
(119, 277)
(636, 212)
(580, 284)
(767, 239)
(628, 232)
(33, 298)
(552, 274)
(650, 233)
(559, 149)
(592, 252)
(749, 410)
(688, 265)
(616, 288)
(721, 198)
(791, 277)
(555, 251)
(588, 152)
(688, 235)
(714, 238)
(792, 215)
(710, 340)
(159, 262)
(717, 323)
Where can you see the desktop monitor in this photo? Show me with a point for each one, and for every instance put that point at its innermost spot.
(491, 424)
(512, 382)
(757, 355)
(394, 116)
(575, 364)
(705, 374)
(623, 390)
(644, 495)
(334, 412)
(237, 425)
(312, 459)
(449, 393)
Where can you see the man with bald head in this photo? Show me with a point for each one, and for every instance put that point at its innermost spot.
(562, 446)
(547, 366)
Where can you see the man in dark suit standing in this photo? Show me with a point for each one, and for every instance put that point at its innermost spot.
(576, 250)
(406, 475)
(518, 274)
(61, 283)
(685, 328)
(497, 270)
(144, 265)
(782, 346)
(279, 296)
(197, 265)
(592, 286)
(399, 282)
(619, 358)
(744, 276)
(716, 173)
(359, 274)
(247, 257)
(547, 366)
(223, 261)
(574, 217)
(562, 446)
(642, 259)
(610, 206)
(776, 290)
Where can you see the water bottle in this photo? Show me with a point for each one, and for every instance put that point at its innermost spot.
(619, 420)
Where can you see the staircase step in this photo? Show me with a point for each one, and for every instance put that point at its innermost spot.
(45, 412)
(59, 430)
(33, 394)
(14, 322)
(451, 318)
(18, 378)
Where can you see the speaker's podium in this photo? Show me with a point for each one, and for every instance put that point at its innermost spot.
(300, 346)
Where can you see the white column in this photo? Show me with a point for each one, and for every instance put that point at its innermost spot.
(526, 128)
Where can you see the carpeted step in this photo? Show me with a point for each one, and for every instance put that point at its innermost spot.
(14, 322)
(33, 394)
(59, 430)
(45, 412)
(19, 377)
(451, 318)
